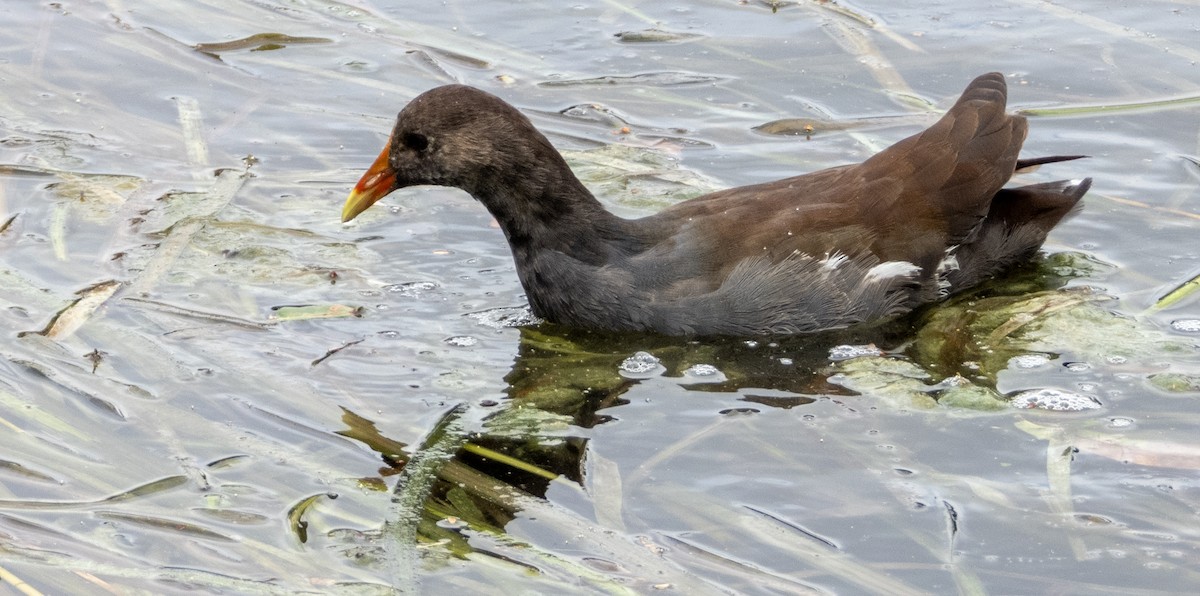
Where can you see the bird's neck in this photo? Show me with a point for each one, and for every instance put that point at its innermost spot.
(541, 205)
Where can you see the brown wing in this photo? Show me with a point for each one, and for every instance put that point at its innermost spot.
(907, 203)
(941, 182)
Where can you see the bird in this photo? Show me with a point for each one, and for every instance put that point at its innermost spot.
(836, 248)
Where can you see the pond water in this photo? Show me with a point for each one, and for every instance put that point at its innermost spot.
(208, 382)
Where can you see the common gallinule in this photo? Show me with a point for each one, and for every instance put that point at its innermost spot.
(921, 219)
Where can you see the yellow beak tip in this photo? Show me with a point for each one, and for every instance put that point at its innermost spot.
(375, 184)
(348, 211)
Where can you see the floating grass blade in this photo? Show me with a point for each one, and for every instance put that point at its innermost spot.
(315, 311)
(258, 42)
(1060, 453)
(1144, 205)
(867, 21)
(17, 583)
(608, 492)
(192, 123)
(1184, 290)
(1158, 104)
(362, 430)
(71, 318)
(150, 488)
(206, 317)
(227, 184)
(58, 230)
(857, 43)
(8, 223)
(295, 516)
(157, 486)
(165, 524)
(19, 469)
(814, 126)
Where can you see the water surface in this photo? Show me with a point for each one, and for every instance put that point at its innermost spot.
(175, 170)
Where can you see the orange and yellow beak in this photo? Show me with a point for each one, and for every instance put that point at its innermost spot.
(375, 184)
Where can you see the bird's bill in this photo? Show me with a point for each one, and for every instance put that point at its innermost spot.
(375, 184)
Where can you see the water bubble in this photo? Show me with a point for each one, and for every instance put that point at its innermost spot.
(1077, 366)
(1115, 359)
(1186, 325)
(1120, 422)
(412, 289)
(1054, 400)
(462, 341)
(1029, 360)
(786, 361)
(702, 370)
(505, 316)
(846, 352)
(641, 364)
(704, 373)
(750, 343)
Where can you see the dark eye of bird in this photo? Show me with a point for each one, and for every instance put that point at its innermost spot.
(415, 141)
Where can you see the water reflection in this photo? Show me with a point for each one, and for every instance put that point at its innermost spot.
(565, 381)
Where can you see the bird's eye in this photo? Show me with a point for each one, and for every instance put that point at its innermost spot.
(415, 141)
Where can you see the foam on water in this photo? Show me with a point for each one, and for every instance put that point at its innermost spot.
(412, 289)
(1029, 360)
(704, 373)
(846, 352)
(1186, 325)
(641, 365)
(505, 316)
(1054, 400)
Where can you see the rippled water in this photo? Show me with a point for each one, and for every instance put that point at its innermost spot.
(209, 382)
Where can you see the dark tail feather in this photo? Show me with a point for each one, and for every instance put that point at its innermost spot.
(1040, 205)
(1033, 162)
(1015, 227)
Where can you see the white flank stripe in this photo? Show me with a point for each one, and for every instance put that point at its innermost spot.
(893, 269)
